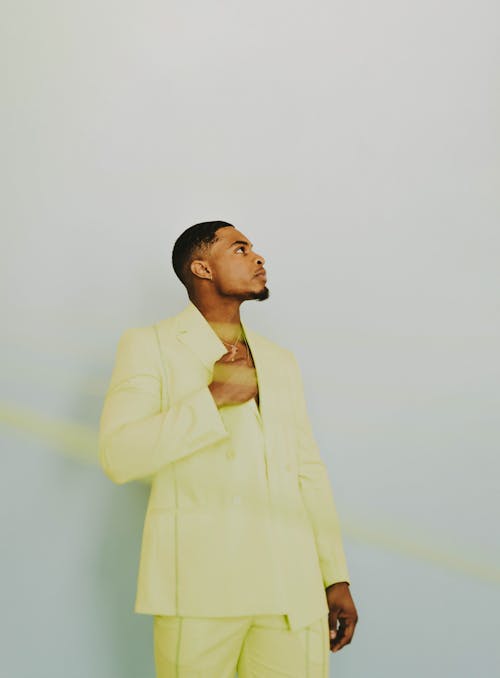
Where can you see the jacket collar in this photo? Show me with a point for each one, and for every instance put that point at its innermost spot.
(194, 330)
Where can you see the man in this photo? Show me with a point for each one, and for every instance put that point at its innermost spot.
(242, 562)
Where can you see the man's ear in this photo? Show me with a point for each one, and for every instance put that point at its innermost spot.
(200, 269)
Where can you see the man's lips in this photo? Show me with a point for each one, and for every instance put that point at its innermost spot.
(263, 274)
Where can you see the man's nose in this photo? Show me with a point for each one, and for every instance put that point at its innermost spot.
(260, 259)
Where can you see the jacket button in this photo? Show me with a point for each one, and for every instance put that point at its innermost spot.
(230, 454)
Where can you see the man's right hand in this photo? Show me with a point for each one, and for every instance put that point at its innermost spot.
(233, 382)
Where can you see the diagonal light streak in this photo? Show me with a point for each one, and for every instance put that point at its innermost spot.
(80, 443)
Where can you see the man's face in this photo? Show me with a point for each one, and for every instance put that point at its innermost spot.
(235, 266)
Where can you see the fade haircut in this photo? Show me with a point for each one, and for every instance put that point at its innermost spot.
(194, 243)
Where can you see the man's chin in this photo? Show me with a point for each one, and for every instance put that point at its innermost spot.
(262, 295)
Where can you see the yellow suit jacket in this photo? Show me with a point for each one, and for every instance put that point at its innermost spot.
(213, 544)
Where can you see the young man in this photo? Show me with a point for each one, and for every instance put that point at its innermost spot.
(242, 564)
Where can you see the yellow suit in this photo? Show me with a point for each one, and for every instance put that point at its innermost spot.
(218, 541)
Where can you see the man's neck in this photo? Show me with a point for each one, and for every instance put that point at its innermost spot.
(224, 319)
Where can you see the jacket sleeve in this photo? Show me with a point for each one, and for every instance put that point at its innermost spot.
(317, 493)
(136, 438)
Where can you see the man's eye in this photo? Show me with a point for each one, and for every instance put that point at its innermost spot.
(241, 247)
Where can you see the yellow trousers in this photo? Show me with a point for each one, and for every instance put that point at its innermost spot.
(260, 646)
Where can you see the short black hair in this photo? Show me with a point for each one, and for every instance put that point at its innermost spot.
(192, 244)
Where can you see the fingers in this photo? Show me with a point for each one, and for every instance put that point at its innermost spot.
(332, 623)
(235, 374)
(344, 635)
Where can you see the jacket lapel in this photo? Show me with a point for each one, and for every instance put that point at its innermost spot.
(195, 331)
(261, 367)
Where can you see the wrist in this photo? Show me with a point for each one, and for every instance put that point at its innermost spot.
(213, 387)
(337, 583)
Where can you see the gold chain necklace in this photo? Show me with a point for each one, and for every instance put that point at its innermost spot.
(234, 348)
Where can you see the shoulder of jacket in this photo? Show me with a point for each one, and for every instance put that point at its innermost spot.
(272, 345)
(132, 336)
(140, 332)
(164, 325)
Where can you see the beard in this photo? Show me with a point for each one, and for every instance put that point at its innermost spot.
(260, 296)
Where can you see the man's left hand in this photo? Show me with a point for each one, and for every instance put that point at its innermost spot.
(343, 611)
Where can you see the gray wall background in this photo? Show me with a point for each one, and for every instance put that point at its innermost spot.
(357, 145)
